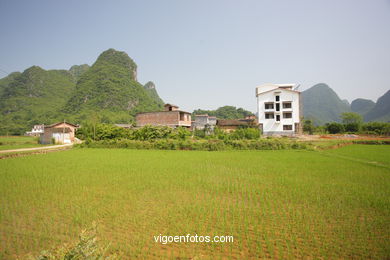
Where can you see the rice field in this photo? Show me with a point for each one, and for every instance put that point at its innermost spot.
(16, 142)
(276, 204)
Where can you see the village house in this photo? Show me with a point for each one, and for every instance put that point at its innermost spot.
(279, 109)
(230, 125)
(36, 130)
(59, 133)
(171, 116)
(204, 121)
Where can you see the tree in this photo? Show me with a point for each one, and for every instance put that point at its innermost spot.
(308, 126)
(334, 128)
(352, 121)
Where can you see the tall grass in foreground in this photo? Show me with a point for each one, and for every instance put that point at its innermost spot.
(276, 204)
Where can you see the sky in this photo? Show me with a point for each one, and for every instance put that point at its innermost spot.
(206, 54)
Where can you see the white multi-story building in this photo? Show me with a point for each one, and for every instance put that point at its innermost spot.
(279, 109)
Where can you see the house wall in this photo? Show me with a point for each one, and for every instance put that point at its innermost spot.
(62, 133)
(164, 118)
(201, 121)
(271, 126)
(228, 128)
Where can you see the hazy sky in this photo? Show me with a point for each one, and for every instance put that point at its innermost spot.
(205, 54)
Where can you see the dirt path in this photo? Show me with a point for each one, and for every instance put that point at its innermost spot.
(37, 148)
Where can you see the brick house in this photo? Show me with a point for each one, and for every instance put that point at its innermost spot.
(171, 116)
(60, 133)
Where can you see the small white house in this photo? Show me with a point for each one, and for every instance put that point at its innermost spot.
(279, 109)
(36, 130)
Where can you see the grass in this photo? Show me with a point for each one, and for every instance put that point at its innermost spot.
(276, 204)
(375, 154)
(16, 142)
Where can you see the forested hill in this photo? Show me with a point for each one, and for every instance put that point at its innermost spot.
(108, 91)
(225, 112)
(110, 87)
(323, 105)
(32, 97)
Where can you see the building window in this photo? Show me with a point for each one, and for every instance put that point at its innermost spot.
(278, 118)
(287, 127)
(269, 105)
(277, 107)
(269, 115)
(287, 115)
(277, 98)
(287, 105)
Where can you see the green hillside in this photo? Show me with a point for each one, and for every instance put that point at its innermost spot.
(78, 70)
(322, 104)
(7, 80)
(107, 91)
(33, 97)
(225, 112)
(110, 88)
(362, 106)
(381, 110)
(152, 92)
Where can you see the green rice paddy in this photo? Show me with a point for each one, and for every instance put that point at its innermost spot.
(16, 142)
(276, 204)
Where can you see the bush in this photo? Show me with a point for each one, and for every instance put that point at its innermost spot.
(352, 127)
(245, 133)
(377, 128)
(205, 145)
(86, 248)
(335, 128)
(308, 126)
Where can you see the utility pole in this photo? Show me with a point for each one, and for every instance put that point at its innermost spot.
(63, 133)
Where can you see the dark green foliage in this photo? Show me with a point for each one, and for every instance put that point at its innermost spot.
(374, 142)
(381, 110)
(321, 104)
(377, 128)
(362, 106)
(308, 126)
(352, 127)
(225, 112)
(335, 128)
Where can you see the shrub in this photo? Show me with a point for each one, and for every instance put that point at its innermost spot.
(334, 128)
(378, 128)
(245, 133)
(87, 247)
(352, 127)
(308, 126)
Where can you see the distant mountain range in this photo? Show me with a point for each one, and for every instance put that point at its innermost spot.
(108, 89)
(322, 105)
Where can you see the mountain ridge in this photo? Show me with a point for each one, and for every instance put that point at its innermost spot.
(37, 96)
